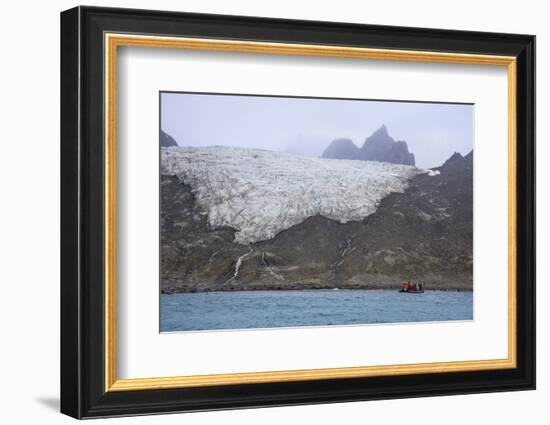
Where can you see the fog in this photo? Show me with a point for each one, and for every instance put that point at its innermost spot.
(433, 131)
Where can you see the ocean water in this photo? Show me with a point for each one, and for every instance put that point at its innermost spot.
(271, 309)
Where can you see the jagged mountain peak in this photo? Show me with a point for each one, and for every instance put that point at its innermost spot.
(381, 132)
(457, 163)
(379, 146)
(455, 158)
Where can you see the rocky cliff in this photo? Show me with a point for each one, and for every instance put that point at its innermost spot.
(166, 140)
(423, 232)
(380, 146)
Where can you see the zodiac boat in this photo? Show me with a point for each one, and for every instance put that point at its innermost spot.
(412, 288)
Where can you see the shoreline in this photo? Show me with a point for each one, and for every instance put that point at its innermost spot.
(458, 283)
(173, 291)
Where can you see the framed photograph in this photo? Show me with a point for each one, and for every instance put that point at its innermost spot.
(261, 212)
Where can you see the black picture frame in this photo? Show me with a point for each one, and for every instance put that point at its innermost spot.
(83, 392)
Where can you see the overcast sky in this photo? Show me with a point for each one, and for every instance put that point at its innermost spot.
(432, 131)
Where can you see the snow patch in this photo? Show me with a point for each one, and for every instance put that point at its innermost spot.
(432, 173)
(260, 193)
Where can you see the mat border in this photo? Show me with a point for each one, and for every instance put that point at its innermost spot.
(114, 41)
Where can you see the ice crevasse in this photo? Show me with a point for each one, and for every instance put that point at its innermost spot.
(260, 193)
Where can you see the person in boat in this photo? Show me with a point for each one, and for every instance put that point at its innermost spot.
(412, 287)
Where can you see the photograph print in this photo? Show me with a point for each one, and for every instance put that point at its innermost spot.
(283, 211)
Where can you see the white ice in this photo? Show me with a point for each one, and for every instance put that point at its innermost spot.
(260, 193)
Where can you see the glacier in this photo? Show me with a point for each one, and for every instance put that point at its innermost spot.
(260, 193)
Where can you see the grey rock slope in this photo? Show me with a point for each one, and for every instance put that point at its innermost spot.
(380, 146)
(423, 234)
(166, 140)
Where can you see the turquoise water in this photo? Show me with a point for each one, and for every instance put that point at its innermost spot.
(271, 309)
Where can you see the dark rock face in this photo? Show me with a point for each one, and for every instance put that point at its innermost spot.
(192, 253)
(378, 147)
(381, 147)
(423, 234)
(166, 140)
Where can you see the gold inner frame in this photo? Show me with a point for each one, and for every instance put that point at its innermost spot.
(113, 41)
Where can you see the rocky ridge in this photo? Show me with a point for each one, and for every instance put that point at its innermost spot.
(166, 140)
(380, 146)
